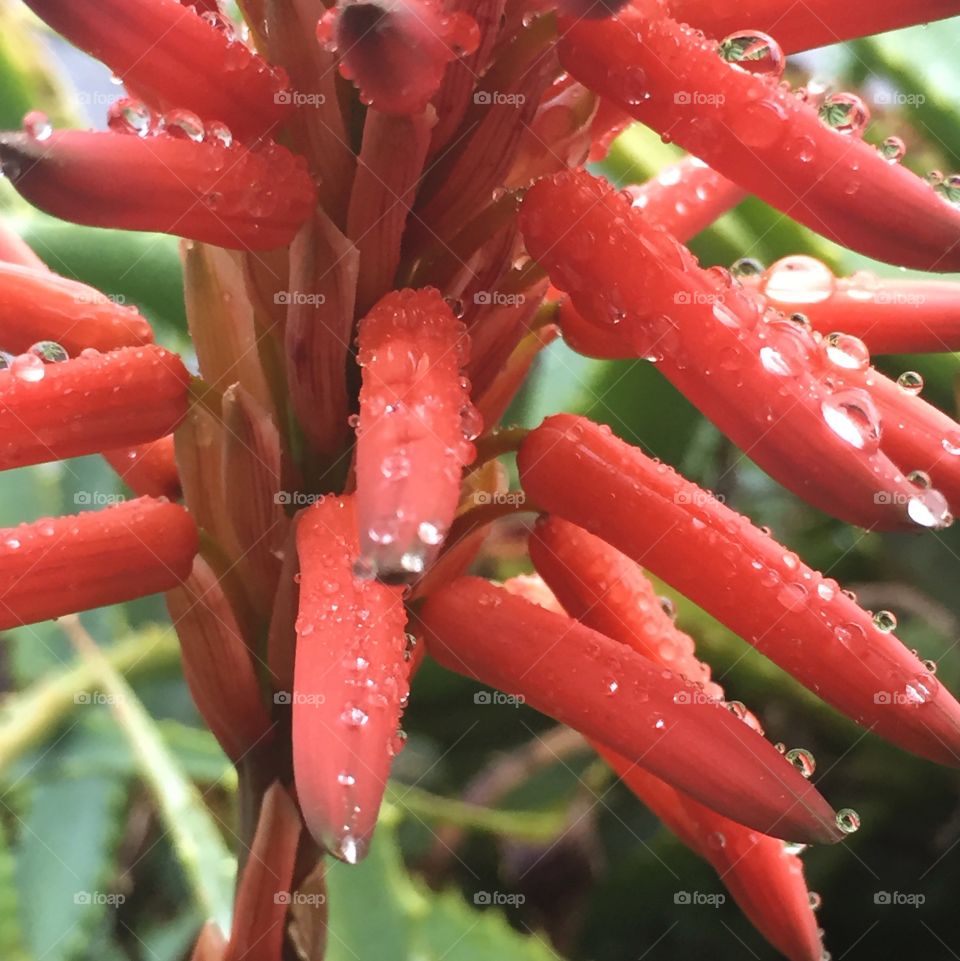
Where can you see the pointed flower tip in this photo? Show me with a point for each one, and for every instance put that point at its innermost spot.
(622, 700)
(739, 574)
(231, 196)
(396, 53)
(415, 431)
(351, 682)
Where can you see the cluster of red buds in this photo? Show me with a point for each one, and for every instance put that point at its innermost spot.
(386, 217)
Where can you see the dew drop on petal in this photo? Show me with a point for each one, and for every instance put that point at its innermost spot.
(746, 267)
(848, 820)
(815, 901)
(130, 117)
(753, 52)
(184, 125)
(853, 417)
(893, 150)
(847, 351)
(910, 382)
(844, 112)
(799, 280)
(49, 351)
(885, 621)
(929, 509)
(28, 367)
(37, 125)
(802, 760)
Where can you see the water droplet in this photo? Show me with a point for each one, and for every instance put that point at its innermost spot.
(853, 417)
(12, 543)
(738, 709)
(848, 820)
(802, 760)
(471, 422)
(610, 687)
(920, 479)
(815, 901)
(951, 444)
(668, 607)
(345, 779)
(349, 849)
(910, 382)
(792, 596)
(130, 117)
(430, 533)
(28, 367)
(847, 351)
(716, 840)
(49, 351)
(183, 125)
(753, 52)
(799, 280)
(929, 509)
(893, 150)
(844, 112)
(921, 689)
(746, 267)
(354, 716)
(37, 125)
(219, 133)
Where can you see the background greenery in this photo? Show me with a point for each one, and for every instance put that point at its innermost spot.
(88, 800)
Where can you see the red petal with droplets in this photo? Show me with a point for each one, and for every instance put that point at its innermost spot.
(813, 23)
(350, 682)
(685, 198)
(66, 564)
(38, 305)
(175, 58)
(607, 591)
(746, 580)
(411, 448)
(623, 700)
(149, 470)
(889, 316)
(93, 403)
(709, 340)
(749, 129)
(229, 196)
(397, 53)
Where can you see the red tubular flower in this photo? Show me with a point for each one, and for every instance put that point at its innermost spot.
(607, 591)
(61, 565)
(706, 335)
(622, 700)
(748, 128)
(149, 470)
(15, 250)
(176, 58)
(239, 198)
(396, 51)
(685, 198)
(899, 316)
(38, 305)
(761, 591)
(813, 23)
(93, 403)
(350, 682)
(413, 438)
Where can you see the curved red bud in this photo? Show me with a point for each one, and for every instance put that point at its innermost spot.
(685, 198)
(748, 128)
(607, 591)
(624, 701)
(15, 250)
(62, 565)
(38, 305)
(149, 470)
(744, 578)
(708, 338)
(415, 431)
(176, 58)
(813, 23)
(890, 316)
(396, 51)
(350, 683)
(93, 403)
(243, 199)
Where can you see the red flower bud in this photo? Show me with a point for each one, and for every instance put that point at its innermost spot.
(93, 403)
(416, 424)
(62, 565)
(235, 197)
(350, 682)
(744, 578)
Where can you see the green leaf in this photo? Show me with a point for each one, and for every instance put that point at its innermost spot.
(65, 855)
(378, 911)
(11, 931)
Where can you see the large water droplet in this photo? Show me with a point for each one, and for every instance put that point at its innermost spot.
(746, 267)
(929, 509)
(844, 112)
(130, 117)
(910, 382)
(846, 351)
(183, 125)
(853, 417)
(848, 820)
(885, 621)
(799, 280)
(802, 760)
(893, 150)
(28, 367)
(49, 351)
(37, 125)
(753, 52)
